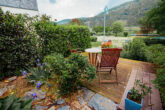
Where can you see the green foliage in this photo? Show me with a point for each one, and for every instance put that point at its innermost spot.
(134, 50)
(125, 34)
(160, 82)
(18, 48)
(117, 27)
(154, 40)
(55, 38)
(154, 53)
(40, 73)
(15, 103)
(93, 39)
(139, 94)
(156, 17)
(70, 72)
(98, 29)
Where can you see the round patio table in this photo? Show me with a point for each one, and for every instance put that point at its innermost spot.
(92, 55)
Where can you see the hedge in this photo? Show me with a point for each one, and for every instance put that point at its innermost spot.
(17, 45)
(134, 50)
(55, 38)
(154, 40)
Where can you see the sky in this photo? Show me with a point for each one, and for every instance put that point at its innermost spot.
(67, 9)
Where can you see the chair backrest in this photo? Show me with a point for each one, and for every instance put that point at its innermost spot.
(110, 57)
(68, 43)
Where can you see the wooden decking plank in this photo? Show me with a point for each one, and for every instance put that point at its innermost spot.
(147, 99)
(130, 84)
(155, 96)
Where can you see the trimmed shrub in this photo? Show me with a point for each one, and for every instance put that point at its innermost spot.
(55, 38)
(154, 52)
(150, 41)
(70, 72)
(134, 50)
(93, 39)
(18, 48)
(125, 34)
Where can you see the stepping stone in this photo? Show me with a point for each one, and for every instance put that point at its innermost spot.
(76, 105)
(2, 91)
(87, 94)
(38, 107)
(40, 94)
(81, 100)
(12, 78)
(64, 108)
(52, 108)
(100, 102)
(85, 108)
(60, 101)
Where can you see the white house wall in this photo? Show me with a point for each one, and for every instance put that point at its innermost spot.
(20, 11)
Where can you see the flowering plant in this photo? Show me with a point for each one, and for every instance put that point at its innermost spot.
(40, 73)
(106, 44)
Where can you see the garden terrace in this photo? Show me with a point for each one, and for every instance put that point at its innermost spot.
(128, 72)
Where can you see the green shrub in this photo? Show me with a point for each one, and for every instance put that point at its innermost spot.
(70, 72)
(18, 48)
(154, 52)
(134, 50)
(15, 103)
(55, 38)
(125, 34)
(93, 39)
(154, 40)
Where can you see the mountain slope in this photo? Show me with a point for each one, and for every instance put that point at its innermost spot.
(129, 12)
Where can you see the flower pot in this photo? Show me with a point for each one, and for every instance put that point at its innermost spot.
(131, 105)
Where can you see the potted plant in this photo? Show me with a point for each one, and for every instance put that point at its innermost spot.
(107, 44)
(134, 97)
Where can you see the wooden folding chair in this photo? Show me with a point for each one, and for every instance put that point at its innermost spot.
(108, 60)
(71, 50)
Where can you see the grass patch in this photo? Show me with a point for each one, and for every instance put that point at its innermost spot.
(96, 44)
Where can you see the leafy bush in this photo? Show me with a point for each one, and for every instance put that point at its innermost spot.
(15, 103)
(70, 72)
(151, 41)
(154, 53)
(134, 50)
(160, 81)
(55, 38)
(125, 34)
(18, 48)
(93, 39)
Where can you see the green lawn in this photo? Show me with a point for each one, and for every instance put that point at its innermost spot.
(96, 44)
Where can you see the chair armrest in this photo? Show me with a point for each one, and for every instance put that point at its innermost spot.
(98, 59)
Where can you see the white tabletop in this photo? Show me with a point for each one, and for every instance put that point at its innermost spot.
(93, 50)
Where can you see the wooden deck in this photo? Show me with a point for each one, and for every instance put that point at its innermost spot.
(128, 72)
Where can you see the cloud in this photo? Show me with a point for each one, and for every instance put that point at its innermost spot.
(64, 9)
(52, 1)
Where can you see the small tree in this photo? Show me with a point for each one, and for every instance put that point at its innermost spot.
(117, 27)
(156, 17)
